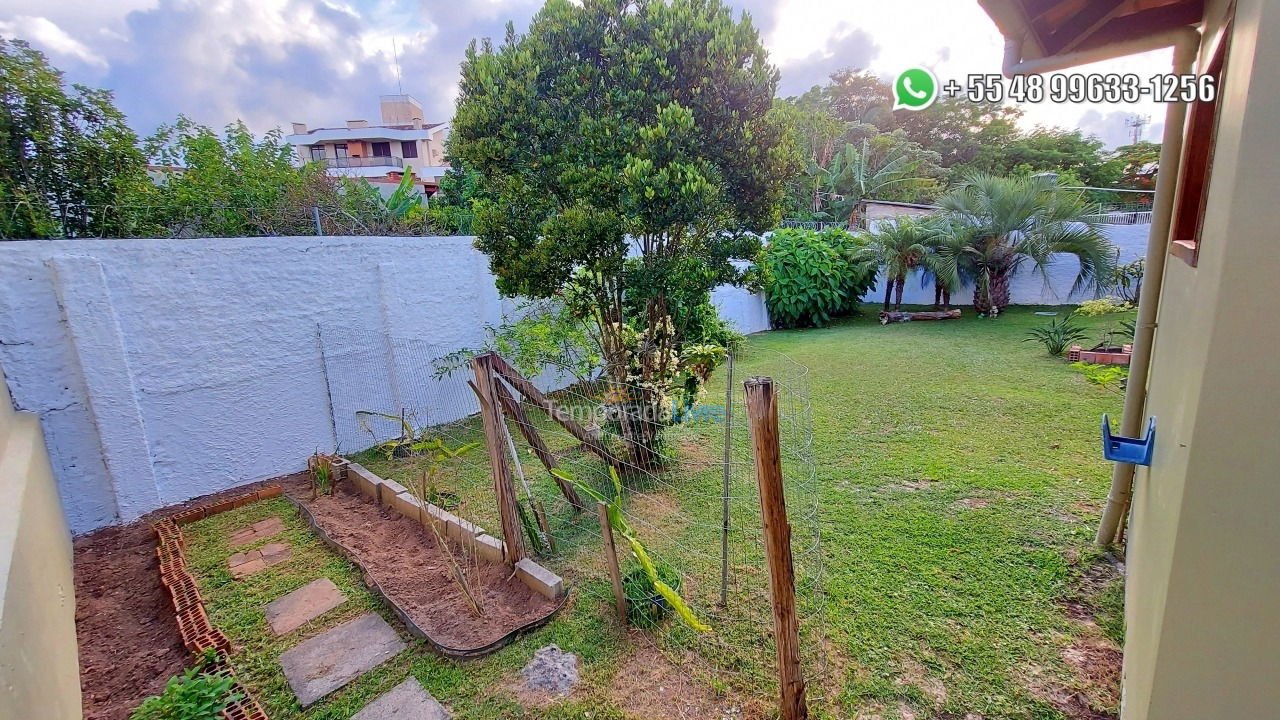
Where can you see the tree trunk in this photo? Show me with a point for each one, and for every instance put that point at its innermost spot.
(991, 296)
(937, 295)
(902, 280)
(888, 291)
(946, 298)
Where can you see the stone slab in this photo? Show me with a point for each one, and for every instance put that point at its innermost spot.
(490, 548)
(408, 505)
(260, 530)
(244, 564)
(329, 661)
(462, 531)
(406, 701)
(388, 489)
(539, 579)
(303, 605)
(366, 482)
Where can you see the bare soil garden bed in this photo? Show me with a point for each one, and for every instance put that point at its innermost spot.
(405, 561)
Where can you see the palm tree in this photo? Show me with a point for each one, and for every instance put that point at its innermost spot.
(900, 245)
(1013, 220)
(950, 264)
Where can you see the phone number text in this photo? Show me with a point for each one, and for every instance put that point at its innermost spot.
(1081, 88)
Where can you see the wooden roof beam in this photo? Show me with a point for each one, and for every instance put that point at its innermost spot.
(1081, 25)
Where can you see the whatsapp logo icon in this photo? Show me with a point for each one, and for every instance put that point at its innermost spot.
(915, 89)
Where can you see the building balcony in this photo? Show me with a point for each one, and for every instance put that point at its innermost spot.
(363, 162)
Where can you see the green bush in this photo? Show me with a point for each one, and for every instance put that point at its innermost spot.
(1103, 306)
(810, 277)
(193, 695)
(1057, 336)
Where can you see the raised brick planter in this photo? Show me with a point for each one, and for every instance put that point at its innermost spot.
(1095, 357)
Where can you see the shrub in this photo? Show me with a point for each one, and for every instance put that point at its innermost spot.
(810, 277)
(1103, 375)
(1103, 306)
(193, 695)
(1057, 336)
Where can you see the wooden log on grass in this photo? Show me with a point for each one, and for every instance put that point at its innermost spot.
(887, 317)
(762, 413)
(513, 410)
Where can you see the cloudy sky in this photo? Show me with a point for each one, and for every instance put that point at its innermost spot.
(272, 62)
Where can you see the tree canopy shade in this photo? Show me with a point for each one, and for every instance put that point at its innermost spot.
(68, 160)
(617, 129)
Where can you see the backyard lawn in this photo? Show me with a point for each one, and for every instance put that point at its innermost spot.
(959, 480)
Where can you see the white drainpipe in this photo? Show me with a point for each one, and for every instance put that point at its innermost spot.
(1186, 45)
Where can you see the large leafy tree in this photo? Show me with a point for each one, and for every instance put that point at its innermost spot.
(69, 164)
(624, 150)
(1013, 220)
(901, 246)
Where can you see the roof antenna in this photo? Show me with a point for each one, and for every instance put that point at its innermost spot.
(395, 54)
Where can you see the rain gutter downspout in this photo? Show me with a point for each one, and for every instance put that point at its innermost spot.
(1186, 45)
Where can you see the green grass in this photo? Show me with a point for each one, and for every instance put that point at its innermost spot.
(959, 477)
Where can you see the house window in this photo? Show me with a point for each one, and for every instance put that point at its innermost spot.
(1197, 163)
(340, 150)
(409, 149)
(381, 149)
(317, 152)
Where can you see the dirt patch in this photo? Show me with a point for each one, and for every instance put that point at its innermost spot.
(1074, 703)
(129, 641)
(697, 454)
(404, 559)
(972, 503)
(1096, 664)
(914, 673)
(125, 625)
(648, 685)
(909, 486)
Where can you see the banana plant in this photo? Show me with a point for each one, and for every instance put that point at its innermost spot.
(613, 508)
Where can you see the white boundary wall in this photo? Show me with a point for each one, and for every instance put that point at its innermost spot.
(166, 369)
(1028, 287)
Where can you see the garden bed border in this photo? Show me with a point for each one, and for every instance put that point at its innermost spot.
(198, 634)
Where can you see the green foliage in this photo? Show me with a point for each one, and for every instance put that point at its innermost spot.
(1139, 165)
(1010, 221)
(193, 695)
(593, 135)
(68, 160)
(646, 607)
(450, 210)
(1103, 306)
(810, 277)
(1059, 335)
(537, 335)
(1126, 280)
(1105, 376)
(902, 245)
(613, 507)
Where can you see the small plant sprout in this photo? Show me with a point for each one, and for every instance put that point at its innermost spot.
(436, 453)
(321, 466)
(198, 694)
(638, 551)
(1057, 336)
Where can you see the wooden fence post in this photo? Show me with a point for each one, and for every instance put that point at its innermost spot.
(504, 489)
(611, 557)
(762, 411)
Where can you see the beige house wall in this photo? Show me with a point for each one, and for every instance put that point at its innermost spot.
(39, 663)
(1203, 586)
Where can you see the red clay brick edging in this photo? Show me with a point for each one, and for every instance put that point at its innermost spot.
(193, 623)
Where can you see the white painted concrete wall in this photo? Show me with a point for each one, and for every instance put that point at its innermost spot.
(1028, 286)
(166, 369)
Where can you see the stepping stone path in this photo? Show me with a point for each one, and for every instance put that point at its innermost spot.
(260, 530)
(244, 564)
(406, 701)
(303, 605)
(552, 670)
(329, 661)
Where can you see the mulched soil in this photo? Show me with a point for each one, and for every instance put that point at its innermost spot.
(404, 559)
(128, 637)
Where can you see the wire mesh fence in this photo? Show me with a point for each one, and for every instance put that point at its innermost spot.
(690, 495)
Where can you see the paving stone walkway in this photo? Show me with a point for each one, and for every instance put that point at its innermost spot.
(406, 701)
(303, 605)
(328, 661)
(244, 564)
(260, 530)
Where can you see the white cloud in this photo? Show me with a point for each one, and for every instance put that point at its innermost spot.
(46, 34)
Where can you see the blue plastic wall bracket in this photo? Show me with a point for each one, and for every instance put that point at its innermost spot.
(1136, 451)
